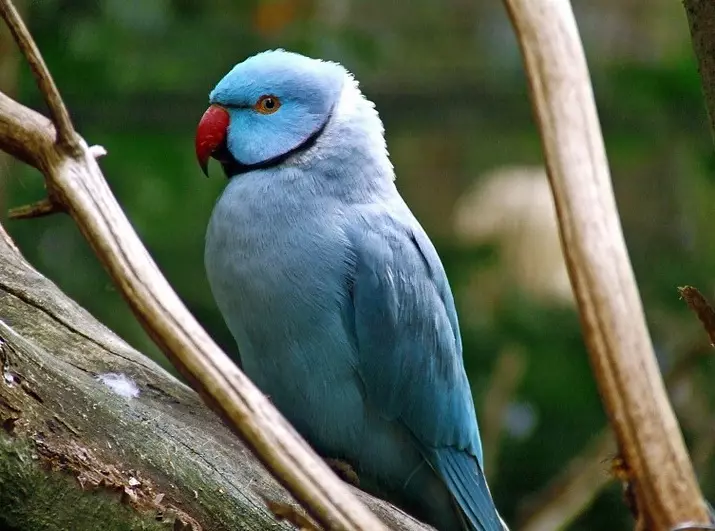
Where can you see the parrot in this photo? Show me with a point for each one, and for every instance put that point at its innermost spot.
(337, 299)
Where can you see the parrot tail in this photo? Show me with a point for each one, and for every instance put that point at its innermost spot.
(463, 476)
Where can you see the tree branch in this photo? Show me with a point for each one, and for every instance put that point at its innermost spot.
(76, 182)
(38, 209)
(620, 349)
(702, 309)
(66, 136)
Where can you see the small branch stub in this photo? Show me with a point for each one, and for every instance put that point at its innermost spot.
(700, 305)
(42, 208)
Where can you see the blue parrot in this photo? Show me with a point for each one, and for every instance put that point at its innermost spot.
(337, 299)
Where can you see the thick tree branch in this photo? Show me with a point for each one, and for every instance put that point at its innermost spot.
(75, 181)
(619, 345)
(76, 454)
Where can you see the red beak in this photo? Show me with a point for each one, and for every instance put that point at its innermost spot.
(210, 134)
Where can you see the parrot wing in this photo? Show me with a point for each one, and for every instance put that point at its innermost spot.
(410, 351)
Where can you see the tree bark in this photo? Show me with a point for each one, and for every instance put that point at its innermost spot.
(75, 454)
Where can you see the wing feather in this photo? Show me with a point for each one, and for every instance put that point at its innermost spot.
(410, 353)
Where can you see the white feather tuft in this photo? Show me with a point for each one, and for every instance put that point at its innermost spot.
(119, 383)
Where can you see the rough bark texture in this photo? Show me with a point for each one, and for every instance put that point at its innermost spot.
(76, 455)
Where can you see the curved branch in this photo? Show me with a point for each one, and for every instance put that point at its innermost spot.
(612, 317)
(66, 135)
(77, 184)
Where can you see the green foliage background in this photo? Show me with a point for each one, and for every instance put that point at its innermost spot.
(446, 77)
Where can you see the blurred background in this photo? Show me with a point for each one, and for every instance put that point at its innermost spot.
(447, 79)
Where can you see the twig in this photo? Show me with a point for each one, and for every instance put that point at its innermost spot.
(41, 208)
(700, 305)
(66, 136)
(48, 206)
(619, 345)
(78, 184)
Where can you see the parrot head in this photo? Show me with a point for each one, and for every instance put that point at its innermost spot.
(269, 107)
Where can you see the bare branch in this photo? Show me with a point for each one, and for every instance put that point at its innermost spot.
(25, 134)
(699, 304)
(43, 207)
(612, 317)
(66, 136)
(78, 184)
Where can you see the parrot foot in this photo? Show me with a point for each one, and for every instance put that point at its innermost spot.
(344, 471)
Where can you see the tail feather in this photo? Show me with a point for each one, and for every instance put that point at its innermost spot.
(466, 482)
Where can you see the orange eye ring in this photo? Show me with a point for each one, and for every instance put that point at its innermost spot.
(267, 104)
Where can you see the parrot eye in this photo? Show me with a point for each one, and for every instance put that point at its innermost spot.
(267, 104)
